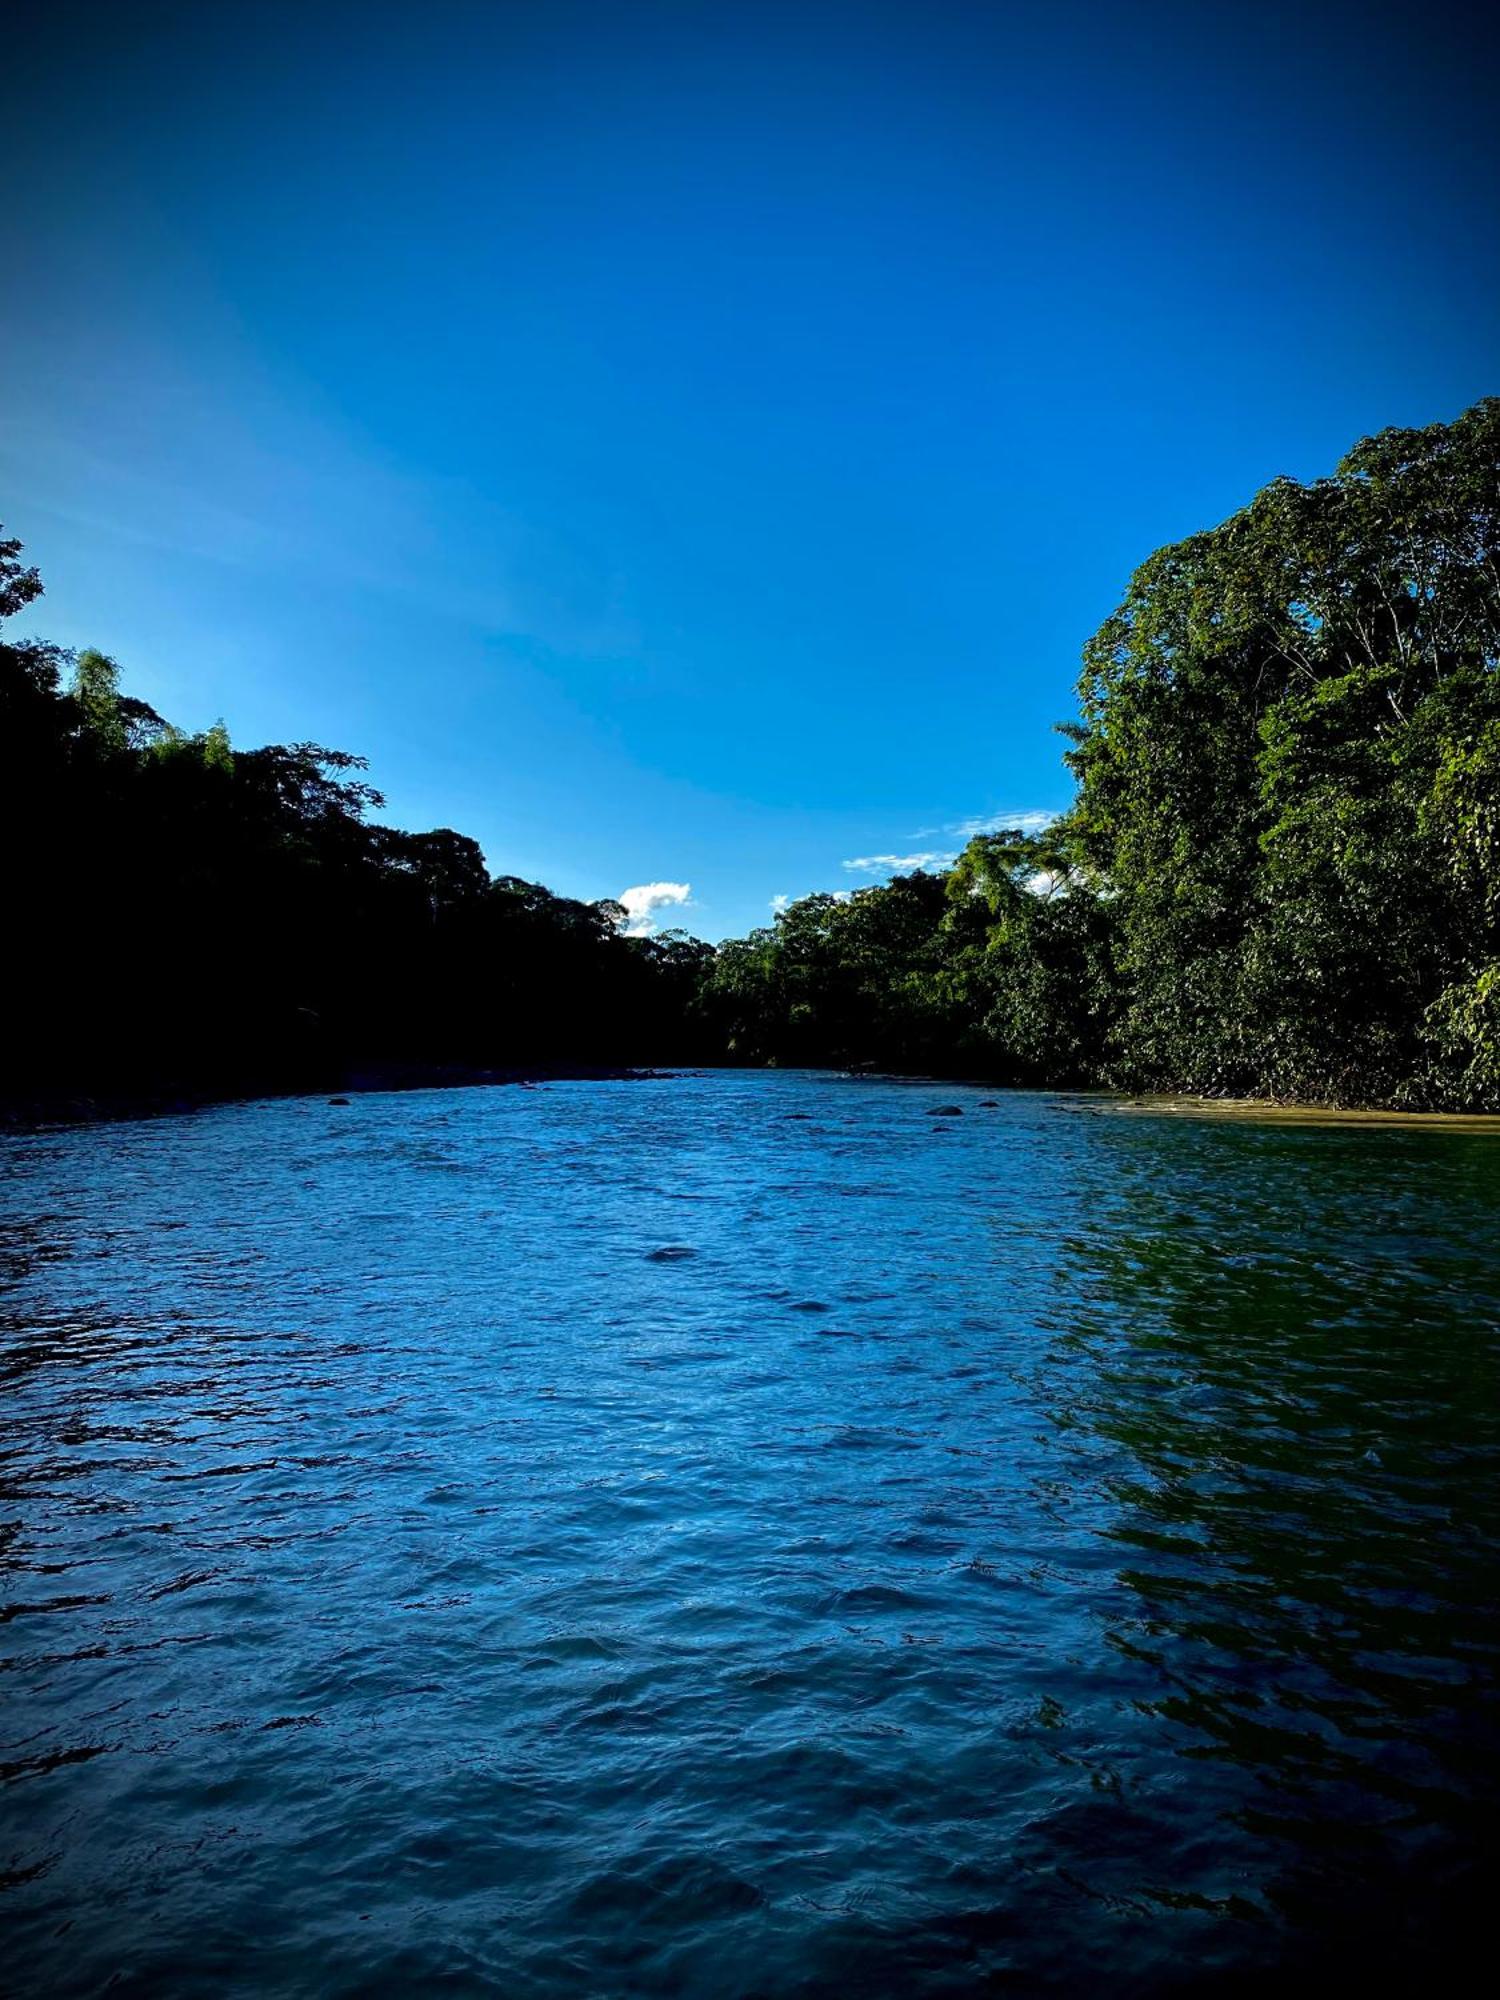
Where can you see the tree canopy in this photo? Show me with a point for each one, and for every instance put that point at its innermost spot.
(186, 917)
(1280, 875)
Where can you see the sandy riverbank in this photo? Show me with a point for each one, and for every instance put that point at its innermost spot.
(1266, 1111)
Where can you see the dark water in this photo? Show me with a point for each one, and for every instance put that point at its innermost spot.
(744, 1535)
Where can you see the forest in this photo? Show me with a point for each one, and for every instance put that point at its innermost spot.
(1279, 876)
(188, 920)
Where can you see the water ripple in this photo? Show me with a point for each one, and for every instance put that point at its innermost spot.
(709, 1539)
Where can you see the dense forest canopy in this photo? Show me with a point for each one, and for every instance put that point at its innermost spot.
(1280, 874)
(186, 917)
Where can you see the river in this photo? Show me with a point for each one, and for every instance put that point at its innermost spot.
(744, 1535)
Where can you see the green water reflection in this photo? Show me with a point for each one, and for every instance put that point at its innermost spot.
(1276, 1370)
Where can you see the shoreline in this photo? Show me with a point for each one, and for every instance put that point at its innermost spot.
(1273, 1111)
(361, 1080)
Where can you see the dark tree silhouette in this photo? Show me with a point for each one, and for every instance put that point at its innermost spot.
(1280, 875)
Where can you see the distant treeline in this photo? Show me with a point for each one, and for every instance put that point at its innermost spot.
(183, 918)
(1281, 872)
(1280, 875)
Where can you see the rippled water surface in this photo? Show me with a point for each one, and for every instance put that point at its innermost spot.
(743, 1535)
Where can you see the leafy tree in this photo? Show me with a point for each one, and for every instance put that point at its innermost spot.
(1282, 765)
(1280, 874)
(217, 755)
(19, 585)
(186, 918)
(96, 697)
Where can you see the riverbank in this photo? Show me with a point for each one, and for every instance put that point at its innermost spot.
(1267, 1111)
(111, 1107)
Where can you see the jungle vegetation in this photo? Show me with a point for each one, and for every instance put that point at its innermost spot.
(187, 918)
(1280, 874)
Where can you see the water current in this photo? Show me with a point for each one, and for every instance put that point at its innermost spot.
(744, 1535)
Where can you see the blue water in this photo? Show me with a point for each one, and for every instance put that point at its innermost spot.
(743, 1535)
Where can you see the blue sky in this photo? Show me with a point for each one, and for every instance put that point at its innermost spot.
(691, 444)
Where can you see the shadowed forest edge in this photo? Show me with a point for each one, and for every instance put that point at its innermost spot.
(1278, 877)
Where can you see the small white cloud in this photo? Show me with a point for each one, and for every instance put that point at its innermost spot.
(641, 903)
(779, 903)
(1001, 822)
(899, 864)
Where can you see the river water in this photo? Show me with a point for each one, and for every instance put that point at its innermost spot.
(744, 1534)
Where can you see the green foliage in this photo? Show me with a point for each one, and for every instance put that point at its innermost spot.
(181, 916)
(1287, 772)
(19, 585)
(96, 698)
(840, 979)
(217, 755)
(1031, 940)
(1279, 874)
(1462, 1028)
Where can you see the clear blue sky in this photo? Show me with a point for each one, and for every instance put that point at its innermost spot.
(691, 443)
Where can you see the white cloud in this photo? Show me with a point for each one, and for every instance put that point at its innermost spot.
(1001, 822)
(899, 864)
(642, 902)
(779, 903)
